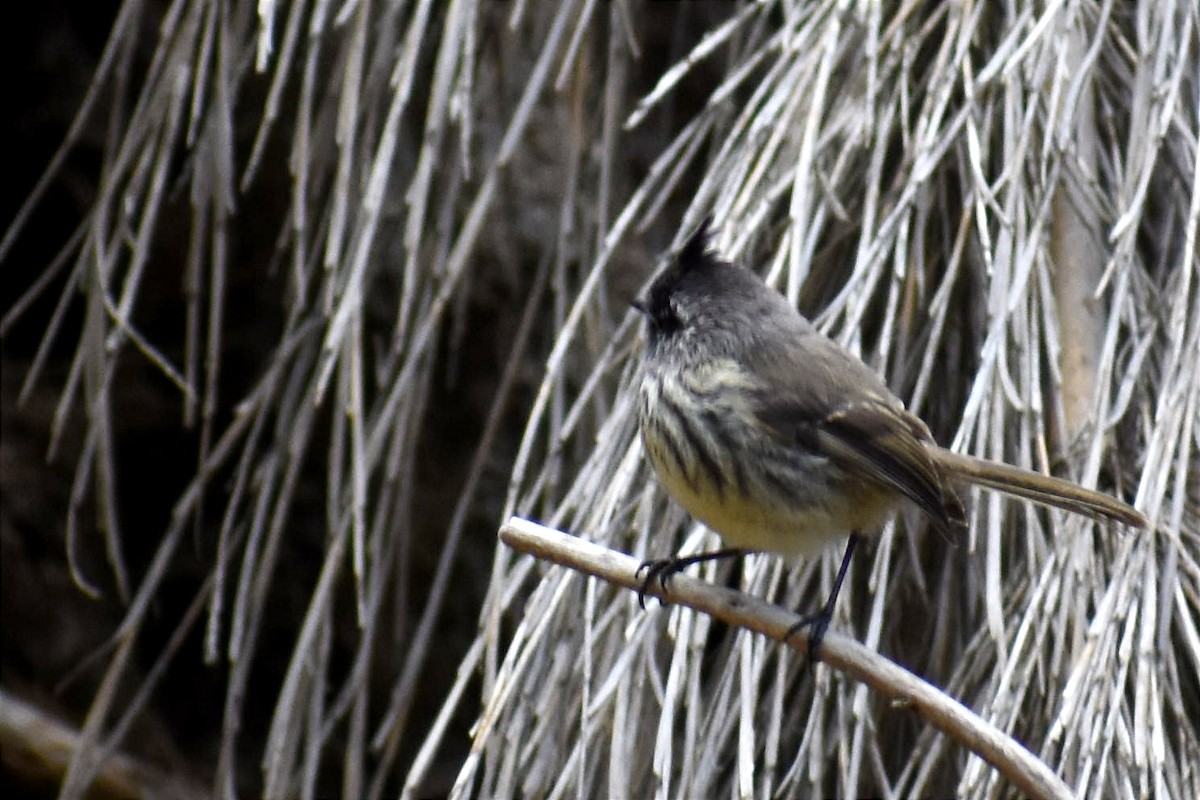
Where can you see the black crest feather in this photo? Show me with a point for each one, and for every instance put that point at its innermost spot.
(693, 253)
(693, 256)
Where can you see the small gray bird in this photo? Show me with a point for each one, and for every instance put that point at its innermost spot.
(778, 439)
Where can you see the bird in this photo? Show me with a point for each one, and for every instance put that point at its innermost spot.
(780, 440)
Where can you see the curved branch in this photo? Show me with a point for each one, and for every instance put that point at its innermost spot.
(36, 748)
(1027, 773)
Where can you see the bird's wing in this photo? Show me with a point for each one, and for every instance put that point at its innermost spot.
(866, 432)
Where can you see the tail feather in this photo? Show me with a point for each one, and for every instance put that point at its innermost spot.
(1036, 487)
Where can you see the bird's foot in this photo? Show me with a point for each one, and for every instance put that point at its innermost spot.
(817, 624)
(661, 570)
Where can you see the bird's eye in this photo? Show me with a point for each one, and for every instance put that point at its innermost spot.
(665, 318)
(660, 311)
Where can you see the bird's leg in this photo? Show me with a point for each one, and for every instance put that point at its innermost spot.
(819, 622)
(663, 569)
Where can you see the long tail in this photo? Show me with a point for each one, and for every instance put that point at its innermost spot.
(1036, 487)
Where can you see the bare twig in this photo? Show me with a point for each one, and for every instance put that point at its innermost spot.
(38, 747)
(905, 690)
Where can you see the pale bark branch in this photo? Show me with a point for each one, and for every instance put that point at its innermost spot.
(1023, 769)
